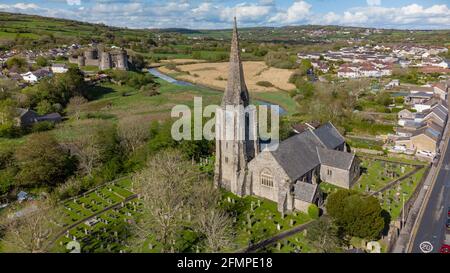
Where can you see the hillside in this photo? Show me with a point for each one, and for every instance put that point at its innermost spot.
(32, 30)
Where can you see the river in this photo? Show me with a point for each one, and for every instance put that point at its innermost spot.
(155, 72)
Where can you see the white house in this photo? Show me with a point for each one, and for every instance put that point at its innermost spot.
(59, 68)
(29, 77)
(35, 76)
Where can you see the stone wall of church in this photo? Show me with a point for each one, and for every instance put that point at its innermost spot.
(335, 176)
(265, 162)
(301, 205)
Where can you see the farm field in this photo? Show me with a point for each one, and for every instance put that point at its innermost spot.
(214, 75)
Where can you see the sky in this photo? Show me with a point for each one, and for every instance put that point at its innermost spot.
(217, 14)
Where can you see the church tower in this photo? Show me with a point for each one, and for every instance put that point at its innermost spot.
(236, 128)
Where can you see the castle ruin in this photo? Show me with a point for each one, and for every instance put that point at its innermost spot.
(114, 59)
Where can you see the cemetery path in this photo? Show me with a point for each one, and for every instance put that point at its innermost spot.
(62, 232)
(276, 238)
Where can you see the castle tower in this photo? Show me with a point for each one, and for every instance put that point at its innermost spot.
(236, 128)
(81, 60)
(122, 60)
(105, 61)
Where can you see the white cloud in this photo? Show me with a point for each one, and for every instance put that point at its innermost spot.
(74, 2)
(19, 6)
(245, 12)
(299, 11)
(219, 13)
(373, 2)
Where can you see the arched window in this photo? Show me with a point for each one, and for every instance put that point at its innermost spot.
(266, 178)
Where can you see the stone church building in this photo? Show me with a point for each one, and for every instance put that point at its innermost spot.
(291, 174)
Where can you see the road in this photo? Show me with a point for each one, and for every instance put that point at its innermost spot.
(431, 227)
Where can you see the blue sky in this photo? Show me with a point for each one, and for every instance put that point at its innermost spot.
(404, 14)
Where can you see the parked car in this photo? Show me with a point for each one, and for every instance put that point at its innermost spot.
(445, 248)
(448, 223)
(448, 212)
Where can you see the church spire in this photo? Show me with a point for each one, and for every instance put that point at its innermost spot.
(236, 91)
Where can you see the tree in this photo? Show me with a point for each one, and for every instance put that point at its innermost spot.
(132, 133)
(313, 211)
(17, 64)
(356, 214)
(165, 188)
(95, 147)
(323, 234)
(44, 107)
(34, 231)
(75, 105)
(8, 114)
(42, 160)
(41, 61)
(211, 221)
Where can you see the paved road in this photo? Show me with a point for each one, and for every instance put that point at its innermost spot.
(431, 227)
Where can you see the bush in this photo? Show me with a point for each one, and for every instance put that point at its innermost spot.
(356, 214)
(264, 84)
(42, 126)
(313, 211)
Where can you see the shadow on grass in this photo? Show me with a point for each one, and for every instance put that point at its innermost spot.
(97, 92)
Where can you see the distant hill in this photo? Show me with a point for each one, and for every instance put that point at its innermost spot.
(31, 31)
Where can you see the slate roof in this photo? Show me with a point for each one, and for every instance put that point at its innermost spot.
(297, 155)
(329, 136)
(337, 159)
(305, 191)
(433, 134)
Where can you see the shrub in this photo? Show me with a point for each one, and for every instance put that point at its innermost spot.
(42, 126)
(264, 84)
(313, 211)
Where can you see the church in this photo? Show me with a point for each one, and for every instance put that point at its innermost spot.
(289, 175)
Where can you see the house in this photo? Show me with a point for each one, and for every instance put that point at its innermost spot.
(441, 90)
(27, 117)
(59, 68)
(35, 76)
(288, 175)
(392, 84)
(347, 72)
(416, 97)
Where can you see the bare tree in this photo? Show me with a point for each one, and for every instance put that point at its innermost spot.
(165, 187)
(211, 221)
(132, 133)
(75, 105)
(33, 230)
(88, 151)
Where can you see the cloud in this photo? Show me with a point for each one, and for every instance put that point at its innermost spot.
(410, 16)
(373, 2)
(299, 11)
(245, 12)
(74, 2)
(219, 13)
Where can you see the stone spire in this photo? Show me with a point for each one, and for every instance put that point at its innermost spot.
(236, 91)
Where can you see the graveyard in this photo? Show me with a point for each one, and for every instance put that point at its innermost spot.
(99, 220)
(256, 219)
(391, 180)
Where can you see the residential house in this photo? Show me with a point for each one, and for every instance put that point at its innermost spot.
(59, 68)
